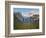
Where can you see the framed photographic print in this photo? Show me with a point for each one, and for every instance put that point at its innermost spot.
(24, 18)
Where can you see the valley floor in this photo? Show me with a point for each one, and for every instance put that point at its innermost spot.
(26, 26)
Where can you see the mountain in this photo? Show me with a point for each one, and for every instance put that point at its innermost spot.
(26, 18)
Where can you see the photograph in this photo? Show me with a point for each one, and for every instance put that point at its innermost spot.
(26, 18)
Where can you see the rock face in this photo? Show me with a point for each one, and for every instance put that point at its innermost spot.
(19, 18)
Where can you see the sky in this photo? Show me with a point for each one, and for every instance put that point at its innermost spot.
(26, 10)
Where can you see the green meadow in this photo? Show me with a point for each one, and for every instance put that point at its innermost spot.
(19, 25)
